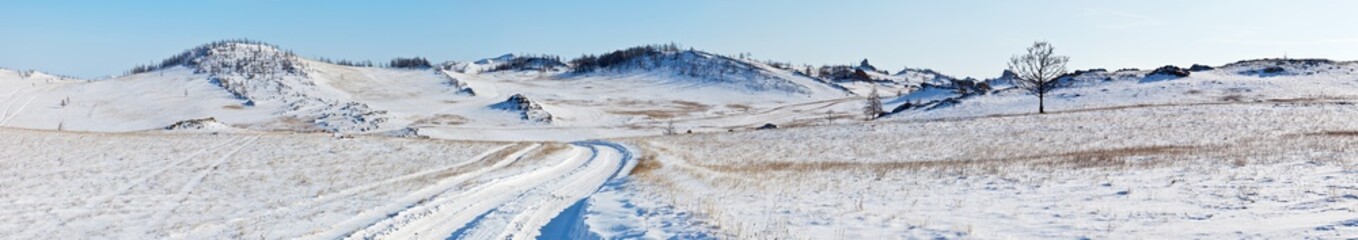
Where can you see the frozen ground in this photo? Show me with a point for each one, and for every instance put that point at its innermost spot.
(1251, 170)
(202, 185)
(260, 87)
(1256, 149)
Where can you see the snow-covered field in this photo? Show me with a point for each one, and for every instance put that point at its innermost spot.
(1262, 170)
(243, 140)
(201, 185)
(160, 185)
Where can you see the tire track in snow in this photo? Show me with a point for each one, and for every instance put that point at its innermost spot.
(412, 204)
(17, 111)
(530, 224)
(442, 217)
(515, 207)
(12, 93)
(460, 211)
(550, 195)
(11, 99)
(188, 188)
(367, 187)
(121, 190)
(37, 92)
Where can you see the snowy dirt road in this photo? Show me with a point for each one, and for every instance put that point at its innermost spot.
(513, 198)
(286, 186)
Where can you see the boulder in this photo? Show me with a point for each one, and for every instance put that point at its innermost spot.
(527, 109)
(207, 124)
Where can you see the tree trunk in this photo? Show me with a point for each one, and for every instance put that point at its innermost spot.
(1041, 100)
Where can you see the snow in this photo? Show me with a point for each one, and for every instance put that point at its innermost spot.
(259, 87)
(270, 145)
(1214, 155)
(1095, 174)
(159, 185)
(513, 205)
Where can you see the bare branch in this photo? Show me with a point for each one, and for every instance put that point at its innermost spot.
(1038, 70)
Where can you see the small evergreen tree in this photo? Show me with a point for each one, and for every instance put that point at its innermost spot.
(873, 107)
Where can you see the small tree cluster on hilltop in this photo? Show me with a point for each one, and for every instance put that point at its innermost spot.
(241, 67)
(186, 58)
(415, 62)
(531, 62)
(590, 63)
(344, 62)
(695, 66)
(780, 65)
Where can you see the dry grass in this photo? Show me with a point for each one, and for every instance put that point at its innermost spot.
(487, 161)
(287, 124)
(1347, 133)
(653, 114)
(739, 107)
(441, 120)
(674, 109)
(547, 150)
(536, 155)
(646, 164)
(1227, 101)
(1116, 157)
(821, 119)
(692, 106)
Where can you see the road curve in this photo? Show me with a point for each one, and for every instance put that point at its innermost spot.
(509, 203)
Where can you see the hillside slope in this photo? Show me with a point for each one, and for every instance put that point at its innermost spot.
(257, 86)
(1252, 81)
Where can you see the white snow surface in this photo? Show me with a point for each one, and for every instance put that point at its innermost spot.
(1254, 149)
(246, 86)
(1256, 170)
(62, 185)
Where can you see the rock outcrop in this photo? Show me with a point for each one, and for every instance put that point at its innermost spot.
(527, 109)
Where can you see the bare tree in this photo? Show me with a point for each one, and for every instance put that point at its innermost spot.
(670, 130)
(1037, 71)
(873, 107)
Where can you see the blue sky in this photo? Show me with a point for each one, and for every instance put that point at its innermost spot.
(91, 38)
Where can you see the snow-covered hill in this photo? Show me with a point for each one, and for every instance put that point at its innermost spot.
(691, 67)
(1246, 81)
(631, 92)
(863, 78)
(245, 83)
(254, 85)
(1253, 149)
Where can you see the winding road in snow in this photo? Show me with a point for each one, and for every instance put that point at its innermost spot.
(497, 201)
